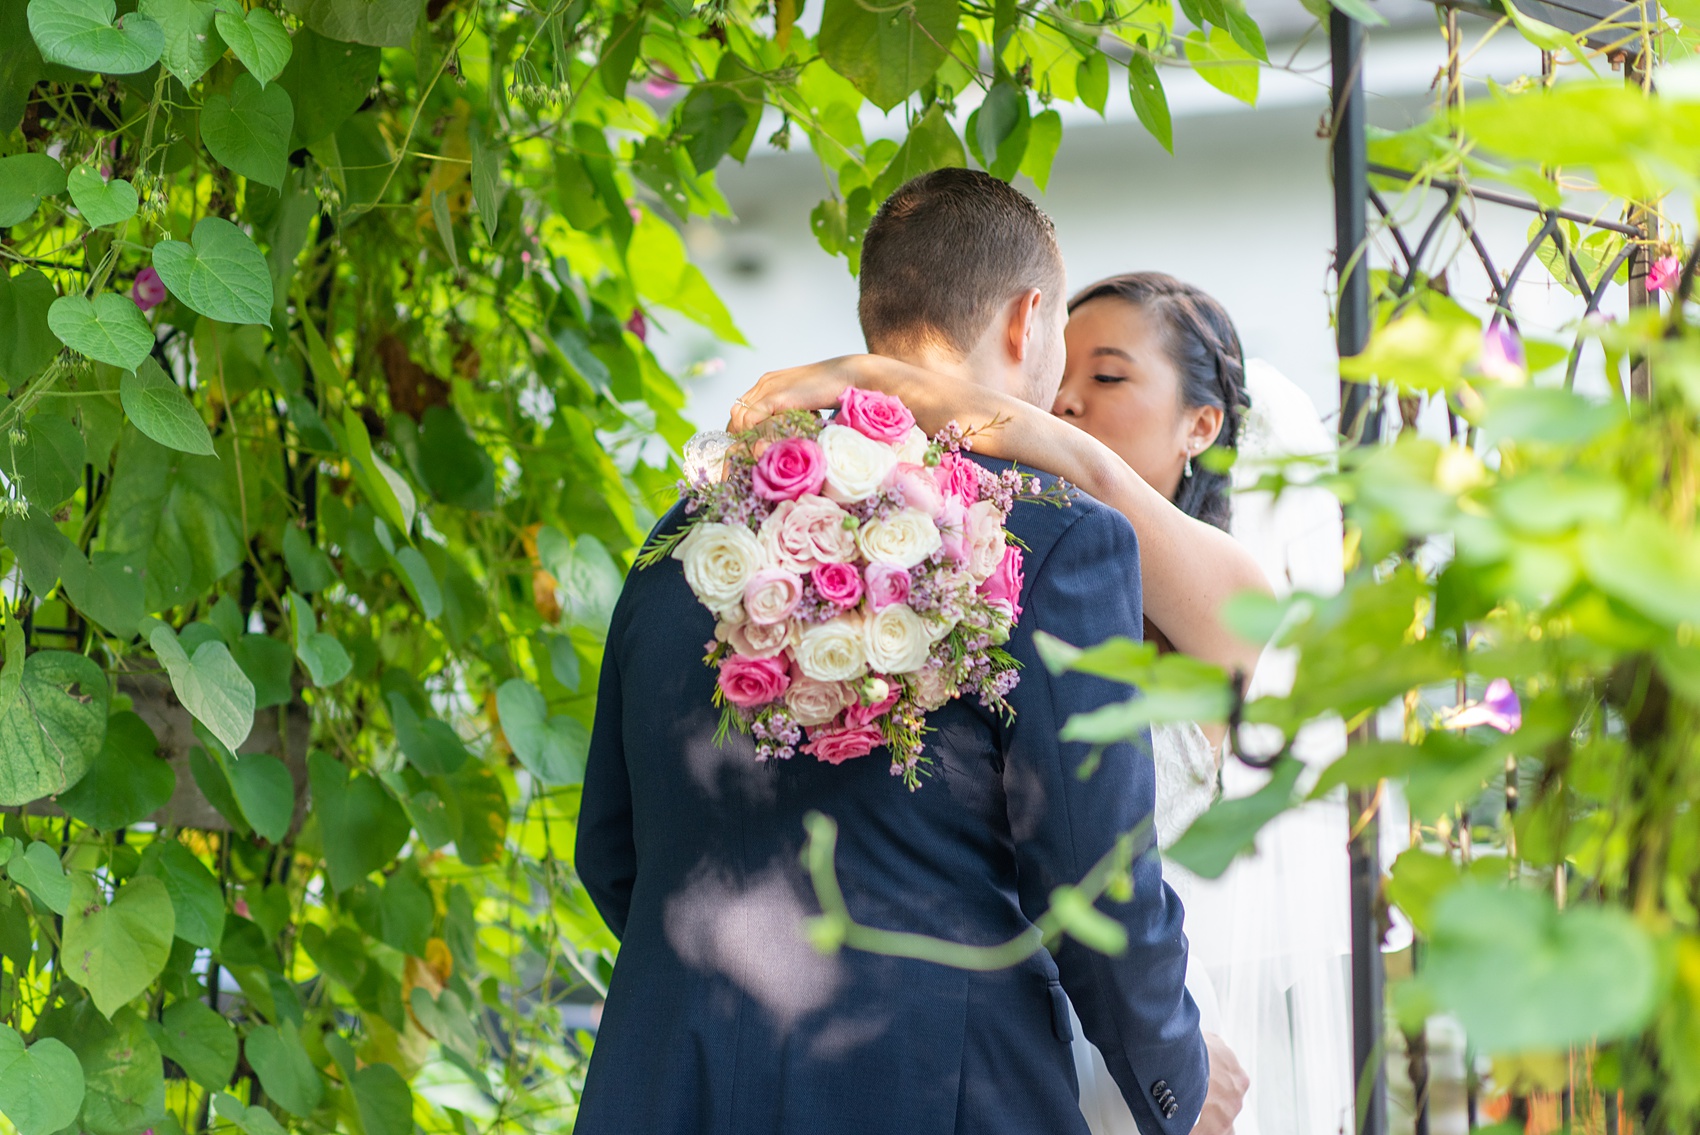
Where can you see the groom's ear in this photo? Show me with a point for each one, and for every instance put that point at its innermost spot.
(1022, 327)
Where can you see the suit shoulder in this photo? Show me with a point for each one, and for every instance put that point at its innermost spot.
(1041, 525)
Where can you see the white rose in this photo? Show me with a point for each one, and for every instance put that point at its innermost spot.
(832, 651)
(719, 560)
(931, 688)
(913, 448)
(757, 640)
(816, 703)
(904, 539)
(985, 540)
(856, 466)
(896, 639)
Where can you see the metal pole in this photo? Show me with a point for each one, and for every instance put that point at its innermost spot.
(1360, 423)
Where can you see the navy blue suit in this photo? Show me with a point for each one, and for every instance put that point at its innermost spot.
(722, 1020)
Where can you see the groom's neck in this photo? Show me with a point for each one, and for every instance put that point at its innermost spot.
(950, 364)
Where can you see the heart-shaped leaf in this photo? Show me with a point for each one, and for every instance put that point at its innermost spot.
(195, 895)
(210, 685)
(248, 131)
(160, 409)
(264, 791)
(362, 825)
(107, 588)
(48, 464)
(82, 34)
(326, 661)
(553, 748)
(41, 1087)
(310, 569)
(26, 180)
(126, 783)
(381, 23)
(116, 951)
(108, 329)
(124, 1076)
(27, 343)
(328, 80)
(259, 40)
(249, 1119)
(431, 745)
(101, 202)
(221, 274)
(52, 726)
(285, 1071)
(201, 1042)
(192, 44)
(39, 871)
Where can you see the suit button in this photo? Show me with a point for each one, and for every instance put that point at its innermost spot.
(1169, 1111)
(1159, 1088)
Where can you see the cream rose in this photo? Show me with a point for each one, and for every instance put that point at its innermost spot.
(913, 448)
(931, 688)
(756, 640)
(904, 539)
(719, 560)
(771, 595)
(985, 540)
(896, 639)
(856, 466)
(816, 703)
(806, 532)
(832, 651)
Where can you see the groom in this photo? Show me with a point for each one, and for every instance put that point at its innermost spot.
(721, 1017)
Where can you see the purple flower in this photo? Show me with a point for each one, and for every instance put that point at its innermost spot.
(1499, 709)
(149, 290)
(1502, 354)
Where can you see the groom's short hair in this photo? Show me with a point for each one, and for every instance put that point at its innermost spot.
(944, 253)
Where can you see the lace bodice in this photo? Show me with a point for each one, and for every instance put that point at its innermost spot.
(1187, 769)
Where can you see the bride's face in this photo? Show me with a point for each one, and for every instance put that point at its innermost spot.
(1120, 386)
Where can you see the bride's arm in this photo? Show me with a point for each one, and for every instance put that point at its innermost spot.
(1190, 568)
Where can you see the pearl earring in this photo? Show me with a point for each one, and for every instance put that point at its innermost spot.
(1188, 464)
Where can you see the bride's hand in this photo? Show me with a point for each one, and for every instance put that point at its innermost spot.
(816, 386)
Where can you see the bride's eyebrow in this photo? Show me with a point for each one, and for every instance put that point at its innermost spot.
(1116, 351)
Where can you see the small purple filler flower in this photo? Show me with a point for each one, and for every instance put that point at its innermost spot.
(1499, 709)
(149, 290)
(1502, 354)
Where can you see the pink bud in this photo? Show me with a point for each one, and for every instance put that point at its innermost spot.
(149, 290)
(637, 326)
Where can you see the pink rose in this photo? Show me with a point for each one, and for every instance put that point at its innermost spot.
(920, 489)
(839, 584)
(749, 682)
(958, 477)
(1003, 587)
(859, 715)
(810, 530)
(771, 595)
(887, 584)
(789, 469)
(875, 415)
(953, 529)
(835, 746)
(148, 290)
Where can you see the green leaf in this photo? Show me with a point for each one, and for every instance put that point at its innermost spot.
(445, 226)
(457, 470)
(620, 52)
(327, 81)
(214, 785)
(553, 748)
(285, 1071)
(220, 275)
(248, 132)
(48, 465)
(711, 118)
(264, 791)
(52, 731)
(389, 494)
(259, 40)
(487, 188)
(310, 569)
(26, 180)
(127, 781)
(1044, 135)
(931, 145)
(405, 913)
(1092, 80)
(27, 343)
(200, 1041)
(107, 589)
(1150, 102)
(1094, 929)
(431, 745)
(997, 120)
(362, 825)
(1222, 63)
(101, 202)
(195, 894)
(1230, 827)
(887, 51)
(179, 513)
(326, 661)
(191, 44)
(417, 576)
(39, 871)
(41, 1087)
(210, 685)
(249, 1118)
(161, 410)
(384, 1100)
(108, 328)
(269, 664)
(123, 1075)
(381, 23)
(115, 951)
(81, 34)
(1520, 975)
(1420, 878)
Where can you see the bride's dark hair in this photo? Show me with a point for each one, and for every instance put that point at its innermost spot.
(1205, 349)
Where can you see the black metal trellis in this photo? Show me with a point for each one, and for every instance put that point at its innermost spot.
(1606, 25)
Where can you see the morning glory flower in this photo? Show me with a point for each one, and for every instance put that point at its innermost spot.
(1499, 709)
(1664, 274)
(148, 290)
(1502, 354)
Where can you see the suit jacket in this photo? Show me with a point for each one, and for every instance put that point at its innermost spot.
(721, 1018)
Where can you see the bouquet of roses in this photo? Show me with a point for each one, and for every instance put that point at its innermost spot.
(860, 575)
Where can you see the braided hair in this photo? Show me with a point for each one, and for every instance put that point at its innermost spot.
(1202, 343)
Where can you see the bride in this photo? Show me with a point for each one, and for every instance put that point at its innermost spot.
(1155, 377)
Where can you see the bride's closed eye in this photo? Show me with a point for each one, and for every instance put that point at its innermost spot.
(1109, 379)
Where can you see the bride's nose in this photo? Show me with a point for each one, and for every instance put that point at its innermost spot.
(1067, 404)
